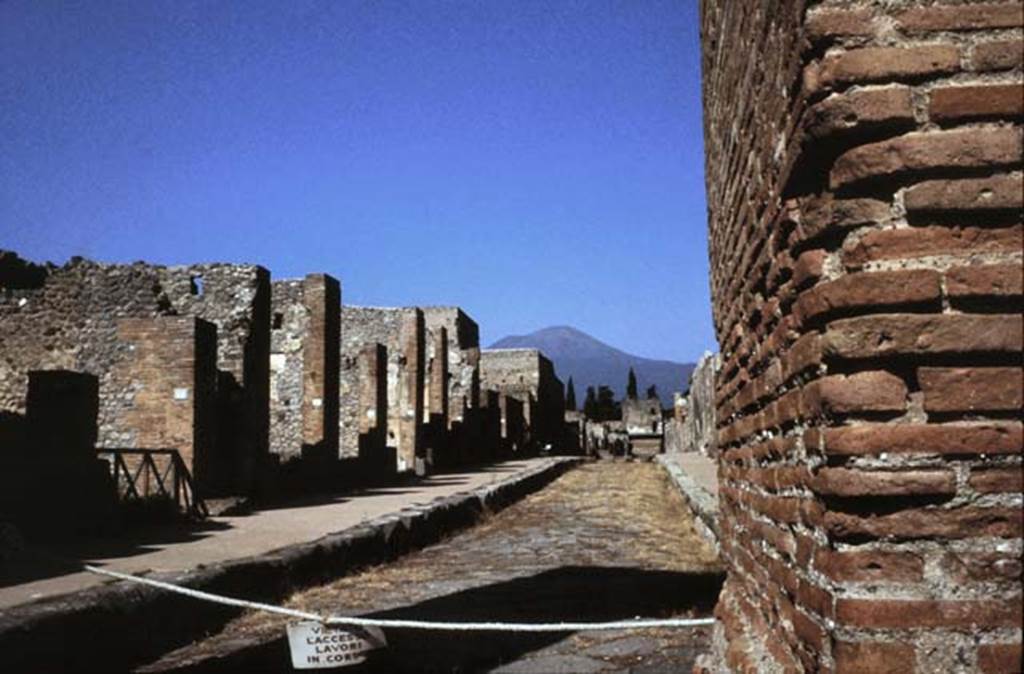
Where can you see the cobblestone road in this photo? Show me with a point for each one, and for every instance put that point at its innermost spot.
(605, 541)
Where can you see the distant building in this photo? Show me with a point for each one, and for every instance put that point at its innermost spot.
(644, 425)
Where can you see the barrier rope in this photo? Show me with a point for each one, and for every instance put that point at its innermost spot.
(638, 623)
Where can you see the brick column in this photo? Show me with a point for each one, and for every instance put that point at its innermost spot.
(172, 373)
(321, 357)
(864, 196)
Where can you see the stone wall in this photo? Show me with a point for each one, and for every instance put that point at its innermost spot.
(513, 425)
(403, 334)
(304, 360)
(463, 357)
(67, 319)
(642, 416)
(235, 298)
(698, 432)
(863, 167)
(526, 374)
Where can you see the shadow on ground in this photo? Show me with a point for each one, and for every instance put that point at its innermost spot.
(49, 558)
(586, 594)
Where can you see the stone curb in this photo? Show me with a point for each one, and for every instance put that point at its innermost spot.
(123, 624)
(700, 500)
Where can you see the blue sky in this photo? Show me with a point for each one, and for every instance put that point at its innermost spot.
(537, 163)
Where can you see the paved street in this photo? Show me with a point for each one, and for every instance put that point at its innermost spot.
(605, 541)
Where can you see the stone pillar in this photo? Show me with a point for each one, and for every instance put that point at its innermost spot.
(305, 367)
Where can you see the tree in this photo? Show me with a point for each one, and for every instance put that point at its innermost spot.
(570, 396)
(590, 404)
(607, 408)
(652, 392)
(631, 385)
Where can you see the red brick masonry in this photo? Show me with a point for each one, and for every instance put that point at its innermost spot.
(865, 194)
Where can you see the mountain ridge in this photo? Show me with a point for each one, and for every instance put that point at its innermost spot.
(591, 362)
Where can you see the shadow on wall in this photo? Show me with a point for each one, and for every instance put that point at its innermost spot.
(51, 481)
(589, 594)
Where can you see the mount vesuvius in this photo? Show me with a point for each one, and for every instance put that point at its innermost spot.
(591, 362)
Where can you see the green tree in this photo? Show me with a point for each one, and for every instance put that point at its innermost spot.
(652, 392)
(607, 408)
(590, 404)
(631, 385)
(570, 396)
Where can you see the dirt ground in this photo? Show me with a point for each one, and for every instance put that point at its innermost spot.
(606, 541)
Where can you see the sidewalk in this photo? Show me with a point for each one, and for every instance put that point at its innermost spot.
(224, 538)
(696, 476)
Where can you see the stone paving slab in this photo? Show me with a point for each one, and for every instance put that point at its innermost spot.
(605, 541)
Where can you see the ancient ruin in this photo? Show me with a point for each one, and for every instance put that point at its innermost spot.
(402, 332)
(838, 489)
(644, 425)
(463, 336)
(305, 350)
(528, 376)
(92, 318)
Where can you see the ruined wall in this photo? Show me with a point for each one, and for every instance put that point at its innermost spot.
(698, 427)
(403, 333)
(526, 374)
(289, 327)
(436, 390)
(172, 366)
(864, 198)
(642, 416)
(364, 408)
(575, 432)
(67, 319)
(436, 435)
(51, 480)
(463, 357)
(304, 361)
(513, 425)
(235, 298)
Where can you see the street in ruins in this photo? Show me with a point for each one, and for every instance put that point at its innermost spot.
(606, 541)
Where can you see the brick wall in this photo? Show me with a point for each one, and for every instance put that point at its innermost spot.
(171, 364)
(435, 402)
(863, 167)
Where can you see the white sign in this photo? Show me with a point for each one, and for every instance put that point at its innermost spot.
(318, 646)
(181, 394)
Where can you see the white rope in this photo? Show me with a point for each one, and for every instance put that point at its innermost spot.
(408, 624)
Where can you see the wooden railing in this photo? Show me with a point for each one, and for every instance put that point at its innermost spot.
(152, 474)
